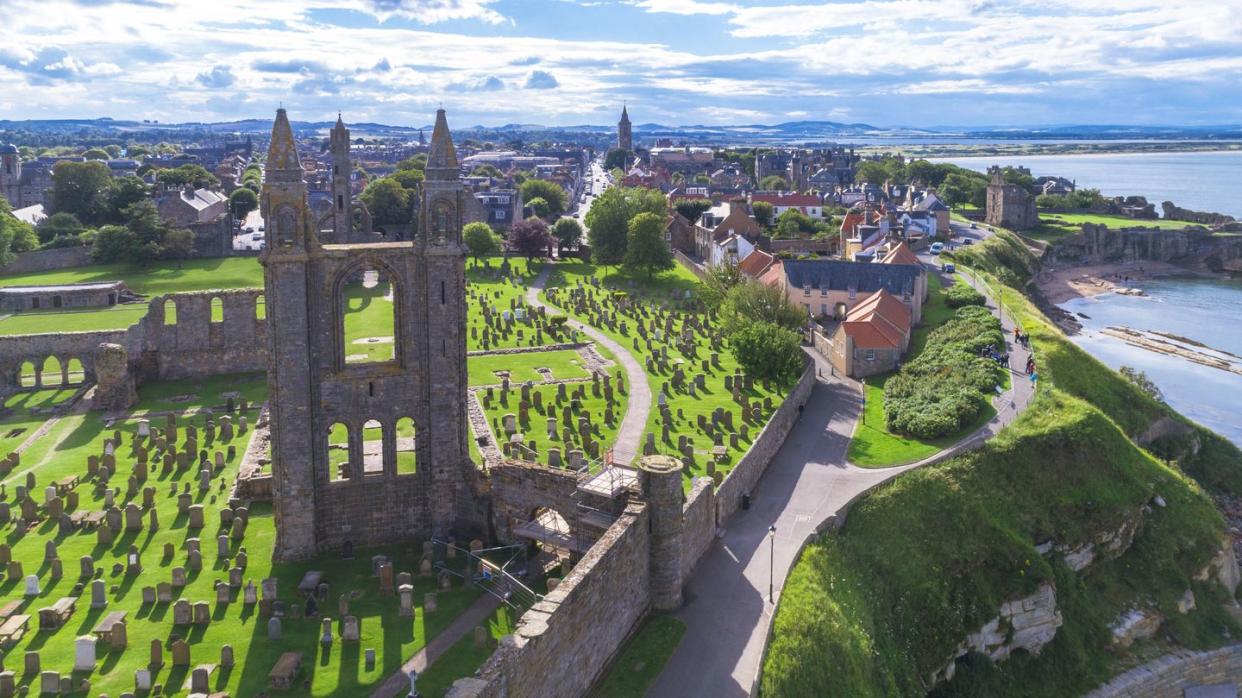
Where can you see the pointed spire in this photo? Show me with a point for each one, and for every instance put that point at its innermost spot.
(442, 156)
(282, 153)
(625, 115)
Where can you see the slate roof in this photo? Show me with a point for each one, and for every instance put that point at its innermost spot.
(840, 275)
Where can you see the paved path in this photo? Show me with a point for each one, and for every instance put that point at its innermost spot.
(634, 424)
(727, 610)
(398, 683)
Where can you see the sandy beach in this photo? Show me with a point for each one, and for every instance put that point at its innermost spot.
(1061, 285)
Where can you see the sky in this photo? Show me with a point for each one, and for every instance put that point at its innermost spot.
(889, 63)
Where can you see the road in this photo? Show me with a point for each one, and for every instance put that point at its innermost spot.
(599, 180)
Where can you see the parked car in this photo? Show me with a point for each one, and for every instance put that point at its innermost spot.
(973, 226)
(968, 241)
(948, 268)
(937, 247)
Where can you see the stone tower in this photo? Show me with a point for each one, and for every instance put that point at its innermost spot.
(342, 194)
(327, 489)
(625, 138)
(1009, 205)
(11, 175)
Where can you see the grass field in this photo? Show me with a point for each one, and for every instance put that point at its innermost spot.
(1054, 226)
(642, 658)
(563, 363)
(330, 670)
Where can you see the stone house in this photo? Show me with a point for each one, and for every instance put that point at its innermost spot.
(872, 338)
(726, 230)
(1009, 205)
(190, 206)
(679, 233)
(832, 287)
(84, 295)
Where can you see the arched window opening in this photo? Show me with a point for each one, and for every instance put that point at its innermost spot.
(77, 374)
(407, 459)
(170, 312)
(338, 452)
(217, 309)
(369, 320)
(373, 448)
(260, 307)
(29, 378)
(51, 376)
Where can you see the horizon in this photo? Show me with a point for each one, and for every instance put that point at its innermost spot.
(575, 62)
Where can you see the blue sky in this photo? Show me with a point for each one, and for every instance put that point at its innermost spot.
(883, 62)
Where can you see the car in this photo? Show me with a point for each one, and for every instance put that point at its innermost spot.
(948, 267)
(937, 247)
(973, 226)
(968, 241)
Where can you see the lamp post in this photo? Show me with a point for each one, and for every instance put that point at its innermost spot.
(771, 561)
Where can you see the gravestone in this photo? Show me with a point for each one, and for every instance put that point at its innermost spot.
(350, 630)
(178, 577)
(273, 628)
(157, 653)
(99, 597)
(182, 612)
(84, 654)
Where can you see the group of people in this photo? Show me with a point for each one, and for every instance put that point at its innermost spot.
(1000, 357)
(1020, 338)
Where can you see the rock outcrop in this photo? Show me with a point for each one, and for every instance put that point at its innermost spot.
(1195, 247)
(1174, 212)
(1026, 623)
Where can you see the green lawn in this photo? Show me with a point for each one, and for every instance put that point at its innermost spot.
(873, 445)
(664, 291)
(564, 364)
(643, 657)
(463, 658)
(485, 286)
(370, 323)
(156, 278)
(1054, 226)
(334, 670)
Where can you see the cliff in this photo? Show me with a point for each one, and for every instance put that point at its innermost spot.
(1194, 247)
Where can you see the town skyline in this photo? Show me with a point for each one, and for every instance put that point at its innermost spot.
(889, 63)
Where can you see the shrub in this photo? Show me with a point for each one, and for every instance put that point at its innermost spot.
(961, 295)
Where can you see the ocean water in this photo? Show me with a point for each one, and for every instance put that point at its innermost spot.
(1205, 310)
(1206, 181)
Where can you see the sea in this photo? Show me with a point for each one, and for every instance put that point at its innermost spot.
(1205, 310)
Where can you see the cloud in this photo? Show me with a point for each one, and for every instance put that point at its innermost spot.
(291, 66)
(383, 66)
(490, 83)
(218, 76)
(436, 11)
(529, 60)
(541, 80)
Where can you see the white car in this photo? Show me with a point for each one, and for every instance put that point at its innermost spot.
(937, 247)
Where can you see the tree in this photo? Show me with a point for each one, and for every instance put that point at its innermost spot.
(178, 244)
(113, 150)
(59, 225)
(568, 232)
(871, 171)
(548, 191)
(768, 351)
(96, 154)
(81, 188)
(530, 237)
(417, 162)
(718, 280)
(122, 193)
(113, 243)
(923, 172)
(15, 235)
(485, 171)
(774, 183)
(616, 158)
(388, 202)
(409, 179)
(608, 221)
(539, 206)
(178, 177)
(751, 301)
(242, 201)
(480, 240)
(763, 212)
(691, 209)
(956, 189)
(645, 247)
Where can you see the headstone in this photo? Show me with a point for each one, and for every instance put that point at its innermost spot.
(200, 680)
(84, 654)
(182, 612)
(273, 628)
(99, 594)
(163, 592)
(142, 679)
(226, 656)
(32, 585)
(350, 630)
(429, 603)
(157, 653)
(369, 656)
(49, 682)
(202, 613)
(178, 577)
(86, 565)
(31, 664)
(325, 634)
(148, 595)
(406, 592)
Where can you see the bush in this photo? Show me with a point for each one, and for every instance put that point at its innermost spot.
(768, 351)
(946, 387)
(961, 295)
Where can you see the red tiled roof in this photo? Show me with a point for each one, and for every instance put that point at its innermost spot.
(755, 263)
(880, 321)
(901, 254)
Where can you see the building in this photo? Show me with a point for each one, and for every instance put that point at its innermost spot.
(726, 233)
(679, 233)
(872, 338)
(829, 288)
(810, 205)
(625, 135)
(1009, 205)
(203, 212)
(864, 227)
(11, 175)
(324, 499)
(502, 207)
(84, 295)
(348, 220)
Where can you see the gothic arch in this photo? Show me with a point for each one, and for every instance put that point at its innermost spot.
(395, 282)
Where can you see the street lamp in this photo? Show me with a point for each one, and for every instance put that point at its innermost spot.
(771, 561)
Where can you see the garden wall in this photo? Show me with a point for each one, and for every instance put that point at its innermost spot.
(48, 260)
(745, 475)
(1171, 674)
(563, 643)
(697, 269)
(698, 524)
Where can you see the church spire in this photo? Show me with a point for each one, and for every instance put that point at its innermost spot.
(442, 156)
(282, 153)
(625, 114)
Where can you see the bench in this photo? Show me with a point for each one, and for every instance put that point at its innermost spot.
(9, 609)
(285, 672)
(65, 484)
(13, 629)
(58, 613)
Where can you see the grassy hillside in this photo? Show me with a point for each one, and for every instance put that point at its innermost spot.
(879, 607)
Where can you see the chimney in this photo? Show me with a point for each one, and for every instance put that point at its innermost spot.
(188, 190)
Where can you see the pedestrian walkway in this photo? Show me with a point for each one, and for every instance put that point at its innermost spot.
(727, 611)
(638, 407)
(398, 683)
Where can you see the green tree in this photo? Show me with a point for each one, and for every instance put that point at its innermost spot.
(751, 301)
(242, 201)
(956, 189)
(768, 351)
(774, 183)
(608, 221)
(15, 235)
(409, 179)
(417, 162)
(486, 171)
(178, 177)
(718, 280)
(59, 225)
(923, 172)
(568, 233)
(870, 171)
(81, 188)
(178, 243)
(96, 154)
(122, 193)
(645, 247)
(548, 191)
(388, 202)
(763, 212)
(616, 158)
(691, 209)
(113, 243)
(480, 240)
(114, 151)
(539, 206)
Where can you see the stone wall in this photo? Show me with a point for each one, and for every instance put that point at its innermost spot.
(560, 647)
(688, 262)
(520, 488)
(48, 260)
(698, 524)
(745, 475)
(1170, 675)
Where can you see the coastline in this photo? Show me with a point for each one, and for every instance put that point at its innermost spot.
(1061, 285)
